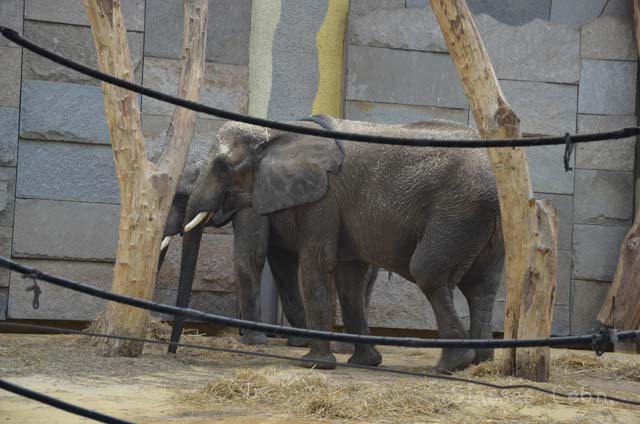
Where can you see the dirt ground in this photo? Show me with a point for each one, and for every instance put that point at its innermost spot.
(210, 387)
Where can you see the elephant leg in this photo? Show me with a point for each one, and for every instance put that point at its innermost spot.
(351, 286)
(437, 265)
(317, 263)
(284, 267)
(479, 286)
(190, 248)
(251, 235)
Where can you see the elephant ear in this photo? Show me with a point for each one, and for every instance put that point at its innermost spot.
(293, 171)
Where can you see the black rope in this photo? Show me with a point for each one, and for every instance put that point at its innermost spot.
(568, 148)
(339, 364)
(60, 404)
(306, 333)
(317, 132)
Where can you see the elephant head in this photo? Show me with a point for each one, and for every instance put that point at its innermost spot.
(266, 169)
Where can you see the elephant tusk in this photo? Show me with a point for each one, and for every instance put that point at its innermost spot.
(195, 221)
(165, 242)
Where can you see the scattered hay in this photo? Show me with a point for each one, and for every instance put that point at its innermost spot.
(587, 364)
(313, 394)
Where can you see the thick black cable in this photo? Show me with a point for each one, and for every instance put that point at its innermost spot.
(60, 404)
(589, 339)
(292, 359)
(199, 107)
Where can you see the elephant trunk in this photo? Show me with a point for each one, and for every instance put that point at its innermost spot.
(190, 247)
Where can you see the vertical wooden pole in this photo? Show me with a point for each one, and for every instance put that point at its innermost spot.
(621, 307)
(495, 119)
(146, 188)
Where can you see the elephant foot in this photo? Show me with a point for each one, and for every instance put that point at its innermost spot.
(254, 338)
(342, 347)
(325, 361)
(298, 342)
(483, 355)
(366, 355)
(454, 360)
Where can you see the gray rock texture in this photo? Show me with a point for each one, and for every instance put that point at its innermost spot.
(223, 86)
(227, 30)
(5, 250)
(603, 197)
(595, 251)
(8, 135)
(512, 12)
(215, 303)
(74, 42)
(4, 302)
(564, 205)
(611, 155)
(587, 298)
(408, 29)
(538, 50)
(609, 37)
(70, 12)
(7, 197)
(67, 171)
(154, 128)
(428, 79)
(58, 303)
(295, 72)
(388, 113)
(10, 62)
(546, 166)
(215, 270)
(11, 16)
(608, 87)
(579, 12)
(65, 230)
(398, 303)
(362, 7)
(543, 108)
(62, 111)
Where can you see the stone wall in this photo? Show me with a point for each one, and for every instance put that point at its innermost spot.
(563, 69)
(56, 162)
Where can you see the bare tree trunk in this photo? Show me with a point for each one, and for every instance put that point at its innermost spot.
(495, 119)
(146, 188)
(621, 308)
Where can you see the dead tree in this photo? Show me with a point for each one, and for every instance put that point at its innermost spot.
(621, 308)
(529, 227)
(146, 188)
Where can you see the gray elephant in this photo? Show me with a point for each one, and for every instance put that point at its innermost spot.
(430, 215)
(283, 267)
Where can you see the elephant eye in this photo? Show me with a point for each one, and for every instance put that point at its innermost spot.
(221, 165)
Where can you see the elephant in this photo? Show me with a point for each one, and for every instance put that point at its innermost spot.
(281, 265)
(430, 215)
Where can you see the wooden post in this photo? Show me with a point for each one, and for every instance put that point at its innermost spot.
(621, 308)
(530, 254)
(146, 188)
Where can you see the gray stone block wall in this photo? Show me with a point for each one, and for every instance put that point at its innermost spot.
(57, 177)
(562, 69)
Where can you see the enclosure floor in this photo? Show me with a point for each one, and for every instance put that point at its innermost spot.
(160, 388)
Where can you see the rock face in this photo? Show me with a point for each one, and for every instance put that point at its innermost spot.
(11, 16)
(10, 62)
(603, 197)
(74, 42)
(387, 113)
(610, 38)
(47, 106)
(615, 155)
(608, 87)
(8, 135)
(67, 171)
(69, 12)
(223, 86)
(65, 230)
(428, 79)
(7, 197)
(587, 300)
(595, 251)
